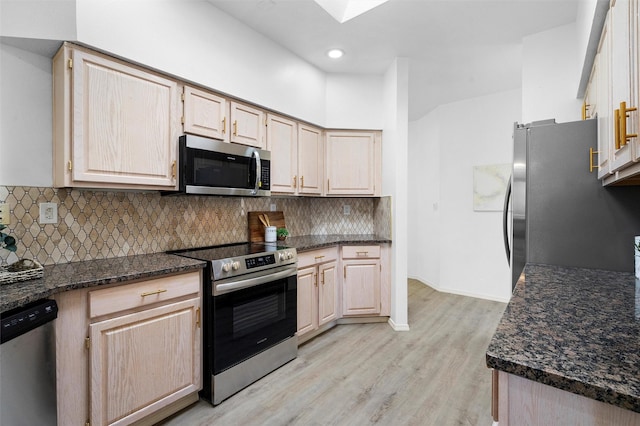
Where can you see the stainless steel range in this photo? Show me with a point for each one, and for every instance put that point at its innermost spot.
(250, 313)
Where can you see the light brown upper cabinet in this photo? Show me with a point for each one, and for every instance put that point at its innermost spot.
(353, 162)
(282, 141)
(296, 156)
(115, 125)
(247, 125)
(310, 160)
(205, 114)
(616, 68)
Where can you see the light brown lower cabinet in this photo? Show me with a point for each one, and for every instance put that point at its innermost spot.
(129, 353)
(318, 288)
(522, 401)
(347, 284)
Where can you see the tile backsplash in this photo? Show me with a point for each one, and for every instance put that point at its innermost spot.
(102, 224)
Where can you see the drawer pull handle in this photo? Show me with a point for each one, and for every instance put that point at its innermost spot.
(151, 293)
(362, 253)
(319, 257)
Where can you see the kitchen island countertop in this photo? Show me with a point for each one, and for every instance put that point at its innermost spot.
(75, 275)
(312, 242)
(574, 329)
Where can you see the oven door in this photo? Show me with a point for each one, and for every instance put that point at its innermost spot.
(253, 318)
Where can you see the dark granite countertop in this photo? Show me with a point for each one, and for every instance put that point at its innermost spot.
(312, 242)
(75, 275)
(574, 329)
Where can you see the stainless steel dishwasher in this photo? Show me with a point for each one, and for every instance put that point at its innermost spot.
(27, 365)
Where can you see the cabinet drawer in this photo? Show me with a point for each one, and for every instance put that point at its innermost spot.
(360, 252)
(124, 297)
(316, 257)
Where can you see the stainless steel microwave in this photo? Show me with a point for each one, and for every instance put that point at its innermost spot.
(211, 167)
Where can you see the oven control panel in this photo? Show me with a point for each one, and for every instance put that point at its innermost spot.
(257, 262)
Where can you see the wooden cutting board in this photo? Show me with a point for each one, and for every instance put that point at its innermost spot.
(256, 228)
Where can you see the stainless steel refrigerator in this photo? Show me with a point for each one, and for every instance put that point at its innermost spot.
(560, 212)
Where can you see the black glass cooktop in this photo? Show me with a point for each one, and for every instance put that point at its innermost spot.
(229, 250)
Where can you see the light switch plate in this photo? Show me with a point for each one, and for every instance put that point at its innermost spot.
(5, 214)
(48, 213)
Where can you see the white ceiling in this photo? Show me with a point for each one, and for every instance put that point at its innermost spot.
(457, 49)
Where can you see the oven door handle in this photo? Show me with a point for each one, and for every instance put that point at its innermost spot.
(250, 282)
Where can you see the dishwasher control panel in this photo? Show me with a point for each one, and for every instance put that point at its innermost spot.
(19, 321)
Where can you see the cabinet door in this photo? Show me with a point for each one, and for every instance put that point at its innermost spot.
(310, 160)
(307, 300)
(604, 107)
(361, 287)
(247, 125)
(352, 163)
(327, 292)
(205, 114)
(634, 73)
(126, 123)
(282, 141)
(623, 85)
(143, 361)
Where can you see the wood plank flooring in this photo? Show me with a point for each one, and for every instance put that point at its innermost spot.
(364, 374)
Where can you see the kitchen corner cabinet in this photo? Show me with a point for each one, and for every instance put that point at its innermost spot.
(616, 68)
(247, 125)
(318, 290)
(296, 156)
(115, 125)
(135, 347)
(353, 162)
(362, 271)
(205, 114)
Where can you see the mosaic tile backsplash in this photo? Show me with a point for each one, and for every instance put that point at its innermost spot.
(104, 224)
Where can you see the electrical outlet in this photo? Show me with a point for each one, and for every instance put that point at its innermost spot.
(5, 214)
(48, 213)
(272, 207)
(346, 209)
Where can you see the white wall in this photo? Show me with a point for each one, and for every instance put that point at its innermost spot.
(395, 182)
(25, 118)
(196, 41)
(354, 101)
(550, 75)
(424, 199)
(454, 248)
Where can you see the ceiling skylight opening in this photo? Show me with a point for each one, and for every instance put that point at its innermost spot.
(335, 53)
(343, 10)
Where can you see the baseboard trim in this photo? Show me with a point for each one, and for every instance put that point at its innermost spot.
(460, 293)
(398, 327)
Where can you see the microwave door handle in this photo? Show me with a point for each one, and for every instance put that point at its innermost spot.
(256, 186)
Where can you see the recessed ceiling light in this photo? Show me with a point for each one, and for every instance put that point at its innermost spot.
(335, 53)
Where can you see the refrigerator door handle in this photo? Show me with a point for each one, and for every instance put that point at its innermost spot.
(505, 220)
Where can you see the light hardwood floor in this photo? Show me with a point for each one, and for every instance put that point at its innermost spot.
(434, 374)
